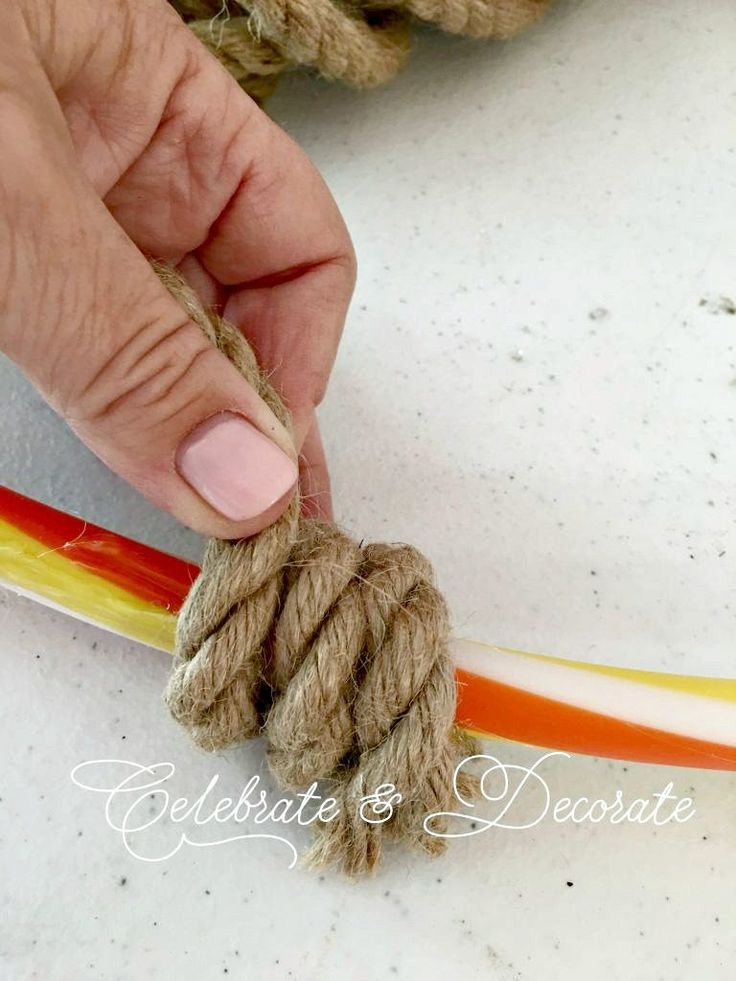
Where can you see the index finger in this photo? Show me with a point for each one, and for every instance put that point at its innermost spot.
(231, 191)
(283, 249)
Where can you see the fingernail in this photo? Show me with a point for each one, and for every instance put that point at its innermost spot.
(234, 467)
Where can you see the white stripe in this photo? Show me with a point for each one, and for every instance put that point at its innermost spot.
(682, 713)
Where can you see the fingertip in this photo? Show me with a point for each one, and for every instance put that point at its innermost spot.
(205, 520)
(235, 467)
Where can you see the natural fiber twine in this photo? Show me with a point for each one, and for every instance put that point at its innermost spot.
(337, 652)
(360, 42)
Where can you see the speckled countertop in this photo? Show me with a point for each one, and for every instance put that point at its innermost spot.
(538, 387)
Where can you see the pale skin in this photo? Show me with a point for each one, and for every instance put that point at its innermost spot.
(121, 138)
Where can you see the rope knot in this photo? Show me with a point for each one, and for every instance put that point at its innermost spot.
(337, 652)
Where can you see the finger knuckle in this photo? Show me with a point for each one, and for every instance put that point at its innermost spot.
(348, 263)
(146, 380)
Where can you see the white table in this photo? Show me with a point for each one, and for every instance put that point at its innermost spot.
(537, 386)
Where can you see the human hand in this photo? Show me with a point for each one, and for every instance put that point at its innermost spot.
(121, 138)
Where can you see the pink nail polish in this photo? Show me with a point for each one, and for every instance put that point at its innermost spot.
(234, 467)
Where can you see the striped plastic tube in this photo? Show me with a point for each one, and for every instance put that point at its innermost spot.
(621, 713)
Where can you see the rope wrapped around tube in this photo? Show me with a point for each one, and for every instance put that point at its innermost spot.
(362, 43)
(336, 651)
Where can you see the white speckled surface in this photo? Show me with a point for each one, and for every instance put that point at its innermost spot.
(532, 390)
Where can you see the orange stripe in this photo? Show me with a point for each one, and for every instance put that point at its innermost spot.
(502, 710)
(147, 573)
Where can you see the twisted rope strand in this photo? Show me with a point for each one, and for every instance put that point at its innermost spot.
(362, 43)
(336, 652)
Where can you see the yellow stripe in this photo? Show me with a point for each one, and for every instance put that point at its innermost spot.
(29, 565)
(723, 689)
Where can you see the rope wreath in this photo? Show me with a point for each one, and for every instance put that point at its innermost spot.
(362, 42)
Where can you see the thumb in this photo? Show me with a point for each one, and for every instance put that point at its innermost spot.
(88, 320)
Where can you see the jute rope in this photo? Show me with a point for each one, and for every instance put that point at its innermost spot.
(360, 42)
(335, 651)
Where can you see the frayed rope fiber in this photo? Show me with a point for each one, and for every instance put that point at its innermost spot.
(361, 42)
(335, 651)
